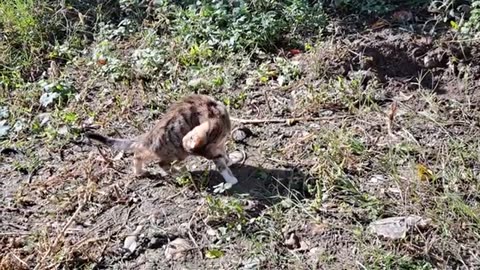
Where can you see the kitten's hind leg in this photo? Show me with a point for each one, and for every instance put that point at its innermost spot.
(221, 164)
(138, 166)
(140, 158)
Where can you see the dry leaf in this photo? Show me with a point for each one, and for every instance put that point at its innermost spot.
(53, 70)
(214, 254)
(424, 173)
(380, 24)
(403, 97)
(391, 118)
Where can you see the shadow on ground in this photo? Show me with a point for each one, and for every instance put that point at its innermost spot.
(265, 185)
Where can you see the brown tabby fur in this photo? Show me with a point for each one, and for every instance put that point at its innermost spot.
(197, 125)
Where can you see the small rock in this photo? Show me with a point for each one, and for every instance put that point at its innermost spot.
(241, 134)
(316, 251)
(198, 82)
(304, 245)
(397, 227)
(377, 179)
(292, 242)
(252, 263)
(63, 130)
(211, 232)
(4, 113)
(394, 190)
(177, 249)
(4, 128)
(130, 242)
(236, 157)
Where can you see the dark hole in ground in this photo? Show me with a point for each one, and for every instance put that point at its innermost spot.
(393, 62)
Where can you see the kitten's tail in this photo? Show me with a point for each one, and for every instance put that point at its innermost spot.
(116, 144)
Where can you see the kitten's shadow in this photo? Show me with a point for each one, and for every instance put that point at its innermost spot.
(266, 185)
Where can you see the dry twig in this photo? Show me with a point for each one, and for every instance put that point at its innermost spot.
(391, 118)
(284, 120)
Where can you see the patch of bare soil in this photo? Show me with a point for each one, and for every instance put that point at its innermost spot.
(81, 205)
(402, 61)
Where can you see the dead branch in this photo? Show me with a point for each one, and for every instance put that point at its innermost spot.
(284, 120)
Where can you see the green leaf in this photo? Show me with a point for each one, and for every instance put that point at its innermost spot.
(70, 117)
(214, 254)
(454, 25)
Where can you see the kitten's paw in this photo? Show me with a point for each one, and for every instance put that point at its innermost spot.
(222, 187)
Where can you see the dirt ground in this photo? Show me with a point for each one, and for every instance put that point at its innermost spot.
(81, 204)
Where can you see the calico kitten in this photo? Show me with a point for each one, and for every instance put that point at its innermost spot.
(197, 125)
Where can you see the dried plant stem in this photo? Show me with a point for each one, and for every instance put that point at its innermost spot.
(284, 120)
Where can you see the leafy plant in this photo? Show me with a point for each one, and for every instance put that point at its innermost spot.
(232, 211)
(61, 91)
(472, 25)
(239, 25)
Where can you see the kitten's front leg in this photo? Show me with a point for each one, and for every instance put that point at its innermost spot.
(222, 167)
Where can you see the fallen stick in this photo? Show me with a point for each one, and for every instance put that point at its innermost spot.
(284, 120)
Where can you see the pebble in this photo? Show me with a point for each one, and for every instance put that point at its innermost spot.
(241, 134)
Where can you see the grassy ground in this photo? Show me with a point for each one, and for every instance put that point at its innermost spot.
(388, 119)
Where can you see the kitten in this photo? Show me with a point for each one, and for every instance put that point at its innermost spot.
(197, 125)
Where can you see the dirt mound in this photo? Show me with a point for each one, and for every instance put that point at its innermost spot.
(398, 58)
